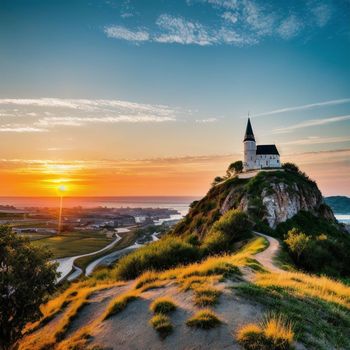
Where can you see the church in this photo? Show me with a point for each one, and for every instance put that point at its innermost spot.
(258, 156)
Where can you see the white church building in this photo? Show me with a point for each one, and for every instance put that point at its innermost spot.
(258, 156)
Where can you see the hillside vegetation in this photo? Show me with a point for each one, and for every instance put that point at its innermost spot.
(212, 283)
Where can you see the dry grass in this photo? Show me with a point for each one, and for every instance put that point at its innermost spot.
(146, 278)
(73, 299)
(163, 305)
(275, 333)
(304, 285)
(204, 319)
(162, 324)
(120, 303)
(205, 296)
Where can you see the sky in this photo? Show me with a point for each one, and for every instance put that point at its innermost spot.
(152, 97)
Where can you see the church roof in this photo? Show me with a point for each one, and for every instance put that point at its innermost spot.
(267, 149)
(249, 135)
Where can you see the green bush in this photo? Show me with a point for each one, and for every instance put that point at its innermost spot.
(231, 227)
(234, 224)
(165, 253)
(297, 242)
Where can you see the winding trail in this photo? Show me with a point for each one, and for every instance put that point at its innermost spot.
(66, 265)
(266, 257)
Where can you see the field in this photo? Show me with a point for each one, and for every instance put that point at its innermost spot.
(74, 243)
(128, 238)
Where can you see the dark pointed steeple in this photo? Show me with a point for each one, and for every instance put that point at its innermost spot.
(249, 135)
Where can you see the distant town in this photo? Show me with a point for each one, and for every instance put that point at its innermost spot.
(38, 223)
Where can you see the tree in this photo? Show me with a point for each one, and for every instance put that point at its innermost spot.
(235, 168)
(297, 242)
(26, 279)
(290, 167)
(217, 180)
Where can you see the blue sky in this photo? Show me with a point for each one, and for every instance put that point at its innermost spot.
(172, 79)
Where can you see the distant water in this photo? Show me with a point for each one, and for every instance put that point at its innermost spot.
(344, 218)
(181, 204)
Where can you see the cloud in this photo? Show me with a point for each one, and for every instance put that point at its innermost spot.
(20, 129)
(119, 32)
(289, 27)
(233, 22)
(178, 30)
(207, 120)
(38, 115)
(229, 17)
(322, 13)
(313, 122)
(315, 140)
(303, 107)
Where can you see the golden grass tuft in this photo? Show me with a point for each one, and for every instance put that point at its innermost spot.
(120, 303)
(275, 333)
(204, 319)
(146, 278)
(162, 324)
(163, 305)
(205, 296)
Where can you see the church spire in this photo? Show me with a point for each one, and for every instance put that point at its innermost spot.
(249, 135)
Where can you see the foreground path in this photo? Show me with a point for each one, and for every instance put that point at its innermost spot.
(266, 257)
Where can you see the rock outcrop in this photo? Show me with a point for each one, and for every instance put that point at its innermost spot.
(279, 197)
(269, 197)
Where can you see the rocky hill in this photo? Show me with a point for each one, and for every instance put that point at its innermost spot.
(269, 197)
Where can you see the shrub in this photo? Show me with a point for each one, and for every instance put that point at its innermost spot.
(204, 319)
(204, 296)
(290, 167)
(297, 242)
(163, 306)
(275, 333)
(215, 242)
(235, 168)
(165, 253)
(234, 224)
(162, 324)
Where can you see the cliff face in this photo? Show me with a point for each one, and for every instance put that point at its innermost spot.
(280, 200)
(270, 197)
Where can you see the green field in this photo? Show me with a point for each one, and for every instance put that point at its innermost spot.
(73, 243)
(128, 238)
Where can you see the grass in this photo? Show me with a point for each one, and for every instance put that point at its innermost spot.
(70, 303)
(162, 324)
(205, 296)
(165, 253)
(204, 319)
(275, 333)
(163, 306)
(73, 243)
(119, 304)
(318, 306)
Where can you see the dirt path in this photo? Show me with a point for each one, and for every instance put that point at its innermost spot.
(266, 257)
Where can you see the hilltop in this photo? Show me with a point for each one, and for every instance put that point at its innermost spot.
(218, 279)
(339, 204)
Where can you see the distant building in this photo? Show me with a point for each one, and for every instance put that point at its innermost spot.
(258, 156)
